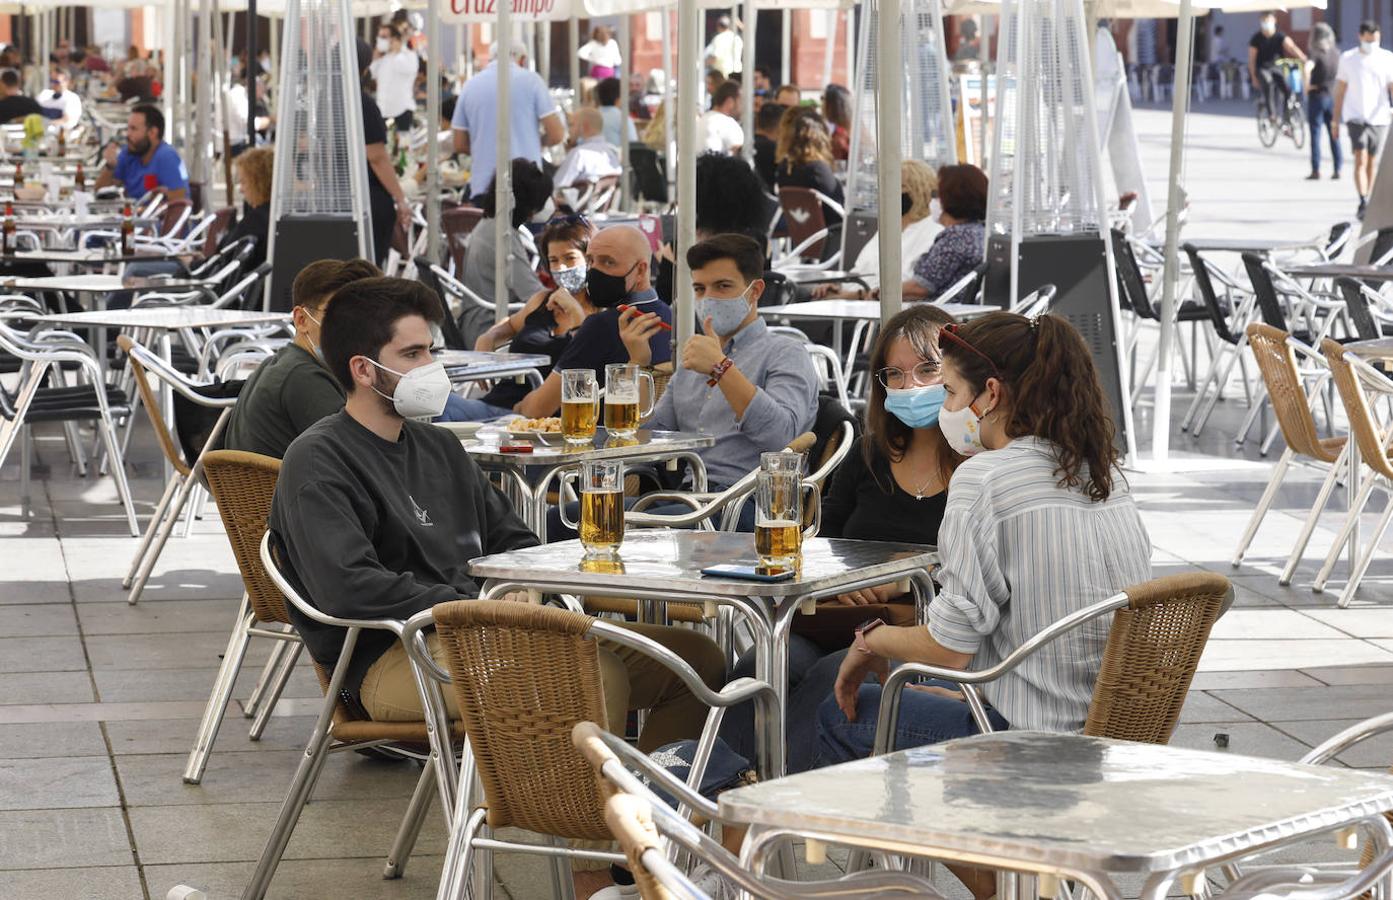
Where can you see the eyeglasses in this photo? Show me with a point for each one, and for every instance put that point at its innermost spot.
(951, 332)
(895, 378)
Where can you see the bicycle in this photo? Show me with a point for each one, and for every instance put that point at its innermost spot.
(1292, 121)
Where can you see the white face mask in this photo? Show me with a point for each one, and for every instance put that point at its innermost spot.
(1367, 46)
(318, 348)
(420, 393)
(383, 44)
(1268, 28)
(962, 428)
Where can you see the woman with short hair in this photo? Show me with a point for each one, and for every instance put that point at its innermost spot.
(961, 246)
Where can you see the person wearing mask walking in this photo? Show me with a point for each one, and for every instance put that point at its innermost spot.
(1362, 86)
(1320, 102)
(394, 68)
(1264, 49)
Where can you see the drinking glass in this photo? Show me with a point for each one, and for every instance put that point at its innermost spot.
(622, 398)
(779, 531)
(601, 525)
(580, 399)
(781, 461)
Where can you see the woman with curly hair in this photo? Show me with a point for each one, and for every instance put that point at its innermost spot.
(1039, 524)
(803, 157)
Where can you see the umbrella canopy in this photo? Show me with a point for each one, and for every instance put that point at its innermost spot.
(1112, 9)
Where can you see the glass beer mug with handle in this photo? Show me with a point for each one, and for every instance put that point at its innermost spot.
(623, 398)
(580, 398)
(601, 525)
(779, 531)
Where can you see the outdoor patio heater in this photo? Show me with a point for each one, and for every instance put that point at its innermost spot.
(319, 193)
(1046, 219)
(928, 133)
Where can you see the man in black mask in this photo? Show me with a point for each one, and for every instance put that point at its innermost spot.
(619, 270)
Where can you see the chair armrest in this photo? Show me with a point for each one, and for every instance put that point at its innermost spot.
(292, 596)
(1342, 741)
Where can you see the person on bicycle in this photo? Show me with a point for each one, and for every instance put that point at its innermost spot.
(1268, 46)
(1362, 86)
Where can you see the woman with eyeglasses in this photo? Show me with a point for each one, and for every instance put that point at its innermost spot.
(891, 487)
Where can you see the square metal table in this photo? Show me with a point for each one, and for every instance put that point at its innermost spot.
(104, 284)
(1062, 806)
(93, 256)
(839, 311)
(533, 474)
(1342, 270)
(664, 566)
(478, 365)
(1240, 244)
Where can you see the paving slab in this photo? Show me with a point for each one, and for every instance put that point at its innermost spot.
(176, 735)
(37, 740)
(57, 783)
(127, 685)
(63, 839)
(234, 778)
(158, 617)
(1244, 738)
(37, 620)
(360, 879)
(95, 883)
(1376, 752)
(42, 654)
(169, 651)
(1221, 655)
(45, 687)
(1298, 704)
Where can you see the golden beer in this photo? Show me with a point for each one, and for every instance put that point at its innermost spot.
(578, 420)
(601, 520)
(621, 417)
(778, 541)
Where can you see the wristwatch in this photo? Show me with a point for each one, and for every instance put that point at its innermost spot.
(865, 628)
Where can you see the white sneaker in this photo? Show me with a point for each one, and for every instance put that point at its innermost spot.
(616, 892)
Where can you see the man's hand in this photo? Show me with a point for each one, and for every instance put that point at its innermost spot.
(565, 309)
(635, 330)
(880, 593)
(404, 215)
(703, 352)
(822, 291)
(855, 667)
(109, 153)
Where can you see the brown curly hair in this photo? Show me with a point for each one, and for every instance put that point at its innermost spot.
(803, 138)
(1049, 381)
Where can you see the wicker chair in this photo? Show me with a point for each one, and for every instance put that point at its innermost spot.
(1159, 629)
(1354, 379)
(630, 820)
(1277, 353)
(337, 728)
(242, 485)
(523, 676)
(186, 474)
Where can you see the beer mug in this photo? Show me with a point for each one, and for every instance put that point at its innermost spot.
(580, 399)
(779, 530)
(601, 525)
(623, 398)
(781, 461)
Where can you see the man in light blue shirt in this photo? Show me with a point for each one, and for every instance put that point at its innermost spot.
(751, 390)
(536, 122)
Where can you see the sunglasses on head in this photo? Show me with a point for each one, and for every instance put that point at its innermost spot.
(950, 331)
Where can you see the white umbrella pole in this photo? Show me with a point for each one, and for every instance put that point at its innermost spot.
(786, 48)
(851, 47)
(273, 77)
(669, 89)
(574, 26)
(1180, 101)
(461, 51)
(207, 51)
(433, 131)
(689, 74)
(544, 50)
(889, 90)
(829, 49)
(626, 48)
(169, 16)
(747, 81)
(503, 177)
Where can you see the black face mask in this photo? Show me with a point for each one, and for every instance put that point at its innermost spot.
(905, 203)
(605, 290)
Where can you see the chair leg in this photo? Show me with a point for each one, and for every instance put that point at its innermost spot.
(213, 713)
(1363, 565)
(147, 567)
(1219, 387)
(410, 824)
(1273, 484)
(253, 701)
(301, 786)
(563, 886)
(192, 508)
(118, 472)
(1312, 518)
(277, 687)
(1203, 390)
(454, 881)
(482, 871)
(1351, 519)
(161, 508)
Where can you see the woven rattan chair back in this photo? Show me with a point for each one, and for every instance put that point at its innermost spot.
(1277, 362)
(1153, 648)
(150, 400)
(631, 823)
(242, 485)
(1362, 423)
(523, 676)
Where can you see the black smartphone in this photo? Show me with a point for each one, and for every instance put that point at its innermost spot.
(750, 573)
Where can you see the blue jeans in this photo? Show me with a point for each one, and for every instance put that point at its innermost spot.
(1320, 112)
(460, 409)
(924, 719)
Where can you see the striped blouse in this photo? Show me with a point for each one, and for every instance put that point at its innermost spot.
(1019, 553)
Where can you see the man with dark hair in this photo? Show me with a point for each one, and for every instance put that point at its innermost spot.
(766, 141)
(1266, 46)
(718, 129)
(13, 104)
(765, 388)
(618, 126)
(293, 389)
(377, 516)
(145, 156)
(1363, 83)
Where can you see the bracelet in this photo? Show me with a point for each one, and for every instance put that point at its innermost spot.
(719, 371)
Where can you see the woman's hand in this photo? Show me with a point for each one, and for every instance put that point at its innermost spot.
(880, 593)
(855, 667)
(565, 309)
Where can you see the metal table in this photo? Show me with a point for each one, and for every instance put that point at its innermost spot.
(1061, 806)
(533, 474)
(477, 365)
(664, 566)
(1342, 270)
(95, 256)
(839, 311)
(105, 284)
(1241, 245)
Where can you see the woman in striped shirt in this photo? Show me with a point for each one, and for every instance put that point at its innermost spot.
(1037, 528)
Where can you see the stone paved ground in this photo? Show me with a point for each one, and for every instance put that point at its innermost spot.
(99, 700)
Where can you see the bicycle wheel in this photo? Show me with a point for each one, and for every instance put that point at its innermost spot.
(1298, 126)
(1267, 129)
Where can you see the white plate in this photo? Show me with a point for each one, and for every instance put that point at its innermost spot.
(461, 429)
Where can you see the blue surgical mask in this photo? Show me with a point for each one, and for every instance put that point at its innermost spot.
(726, 313)
(572, 279)
(917, 407)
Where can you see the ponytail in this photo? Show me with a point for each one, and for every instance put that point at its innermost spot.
(1051, 387)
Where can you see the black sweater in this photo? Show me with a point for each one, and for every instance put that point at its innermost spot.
(867, 504)
(376, 530)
